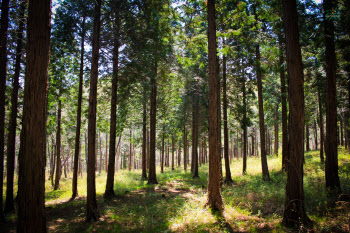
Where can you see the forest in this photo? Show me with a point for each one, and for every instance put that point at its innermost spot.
(174, 116)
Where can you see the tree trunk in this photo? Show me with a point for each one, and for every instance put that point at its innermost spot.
(100, 139)
(244, 128)
(31, 183)
(195, 130)
(341, 133)
(228, 178)
(162, 158)
(4, 21)
(144, 138)
(331, 165)
(284, 105)
(92, 213)
(307, 137)
(321, 121)
(315, 134)
(185, 149)
(265, 170)
(152, 177)
(214, 200)
(294, 212)
(58, 148)
(11, 140)
(130, 151)
(172, 153)
(106, 154)
(276, 133)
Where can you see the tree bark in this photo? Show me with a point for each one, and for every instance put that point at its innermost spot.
(144, 138)
(307, 137)
(265, 169)
(228, 178)
(321, 121)
(4, 21)
(294, 213)
(162, 158)
(276, 133)
(185, 149)
(92, 213)
(195, 130)
(31, 183)
(152, 177)
(58, 148)
(214, 200)
(11, 140)
(244, 128)
(331, 148)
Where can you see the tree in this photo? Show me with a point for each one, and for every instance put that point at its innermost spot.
(92, 213)
(31, 184)
(58, 146)
(111, 163)
(214, 200)
(11, 141)
(331, 148)
(294, 211)
(4, 21)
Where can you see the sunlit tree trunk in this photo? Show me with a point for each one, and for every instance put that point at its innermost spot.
(58, 148)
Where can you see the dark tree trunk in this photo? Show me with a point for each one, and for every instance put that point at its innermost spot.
(31, 183)
(195, 130)
(331, 167)
(294, 212)
(321, 123)
(341, 133)
(284, 105)
(144, 138)
(152, 177)
(162, 158)
(179, 155)
(4, 21)
(77, 130)
(58, 148)
(244, 129)
(130, 151)
(92, 213)
(214, 200)
(276, 133)
(11, 140)
(307, 137)
(228, 178)
(315, 134)
(172, 153)
(265, 169)
(185, 149)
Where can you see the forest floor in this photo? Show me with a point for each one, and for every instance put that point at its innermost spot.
(176, 204)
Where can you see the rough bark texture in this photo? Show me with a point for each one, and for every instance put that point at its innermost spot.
(58, 148)
(331, 148)
(294, 213)
(228, 178)
(152, 177)
(92, 213)
(77, 130)
(11, 140)
(265, 169)
(284, 105)
(144, 138)
(214, 200)
(31, 184)
(109, 192)
(4, 21)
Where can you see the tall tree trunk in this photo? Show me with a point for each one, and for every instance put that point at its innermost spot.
(214, 200)
(100, 139)
(92, 213)
(284, 104)
(162, 158)
(106, 154)
(331, 167)
(265, 170)
(276, 132)
(4, 21)
(195, 130)
(11, 140)
(31, 183)
(152, 177)
(321, 122)
(185, 149)
(244, 128)
(130, 151)
(341, 133)
(307, 137)
(58, 148)
(294, 212)
(144, 138)
(228, 178)
(315, 134)
(172, 153)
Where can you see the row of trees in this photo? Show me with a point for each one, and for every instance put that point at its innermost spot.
(149, 72)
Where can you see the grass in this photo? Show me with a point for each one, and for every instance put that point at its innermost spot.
(176, 204)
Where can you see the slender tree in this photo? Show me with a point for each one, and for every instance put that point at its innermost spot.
(58, 147)
(214, 200)
(11, 140)
(331, 165)
(31, 183)
(294, 211)
(92, 213)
